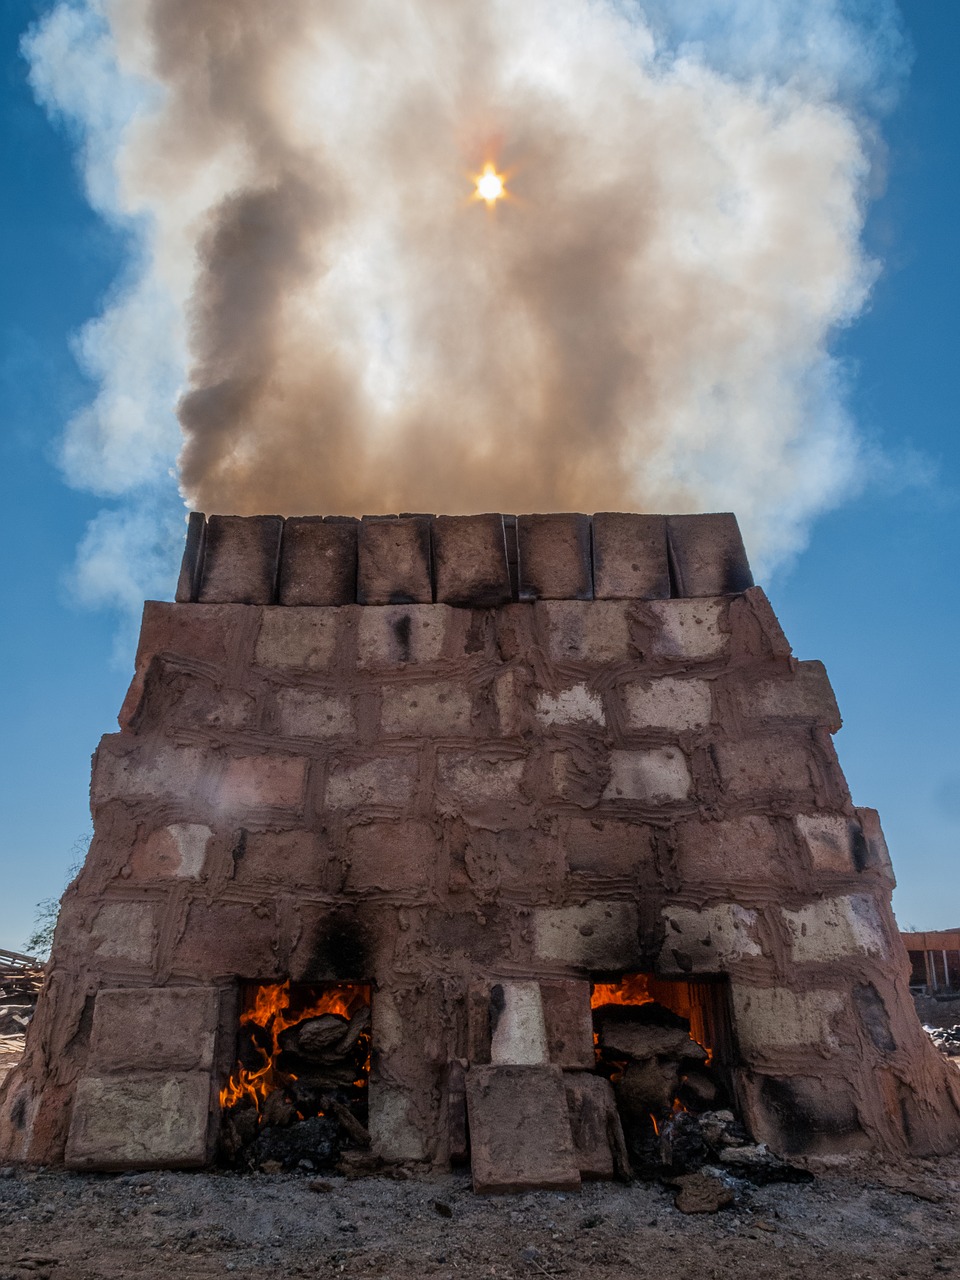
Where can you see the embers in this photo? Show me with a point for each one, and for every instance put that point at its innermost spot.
(298, 1092)
(656, 1041)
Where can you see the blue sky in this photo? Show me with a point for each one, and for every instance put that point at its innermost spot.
(874, 596)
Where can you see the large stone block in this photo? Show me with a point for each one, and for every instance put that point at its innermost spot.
(736, 849)
(303, 638)
(191, 567)
(126, 932)
(292, 859)
(470, 555)
(593, 935)
(708, 940)
(231, 940)
(318, 561)
(391, 856)
(829, 840)
(769, 764)
(393, 561)
(396, 1127)
(707, 555)
(240, 560)
(389, 780)
(806, 695)
(271, 781)
(770, 1019)
(576, 705)
(140, 1120)
(440, 708)
(630, 557)
(311, 713)
(130, 770)
(667, 703)
(606, 848)
(473, 779)
(520, 1129)
(554, 559)
(592, 1109)
(569, 1023)
(582, 631)
(518, 1031)
(655, 776)
(166, 1029)
(804, 1114)
(834, 928)
(870, 851)
(393, 637)
(175, 852)
(689, 630)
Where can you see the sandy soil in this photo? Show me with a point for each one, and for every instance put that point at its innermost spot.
(870, 1223)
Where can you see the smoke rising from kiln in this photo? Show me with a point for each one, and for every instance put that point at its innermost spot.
(644, 325)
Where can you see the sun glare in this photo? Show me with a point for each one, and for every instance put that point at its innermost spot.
(490, 185)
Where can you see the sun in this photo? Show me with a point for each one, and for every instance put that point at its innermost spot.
(490, 185)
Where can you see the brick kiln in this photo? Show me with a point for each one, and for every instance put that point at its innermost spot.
(473, 837)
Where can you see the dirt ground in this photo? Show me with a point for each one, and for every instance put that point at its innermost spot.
(864, 1223)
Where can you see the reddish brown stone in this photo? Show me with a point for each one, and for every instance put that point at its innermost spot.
(569, 1022)
(188, 583)
(804, 694)
(707, 556)
(766, 765)
(606, 847)
(263, 781)
(318, 561)
(630, 557)
(153, 1029)
(593, 1115)
(471, 560)
(520, 1130)
(240, 560)
(393, 564)
(390, 856)
(555, 557)
(230, 940)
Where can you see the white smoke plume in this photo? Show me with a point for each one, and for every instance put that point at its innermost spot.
(644, 324)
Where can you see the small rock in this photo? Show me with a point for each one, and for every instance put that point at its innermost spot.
(271, 1166)
(8, 1171)
(701, 1193)
(444, 1210)
(319, 1185)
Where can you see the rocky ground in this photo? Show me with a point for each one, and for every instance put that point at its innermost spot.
(854, 1223)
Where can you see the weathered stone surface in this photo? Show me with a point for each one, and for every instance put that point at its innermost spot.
(295, 857)
(240, 560)
(153, 1029)
(228, 939)
(473, 779)
(520, 1130)
(707, 555)
(517, 1026)
(577, 631)
(271, 781)
(655, 776)
(708, 940)
(393, 637)
(389, 780)
(390, 856)
(439, 708)
(393, 561)
(834, 928)
(606, 847)
(806, 695)
(470, 555)
(734, 849)
(667, 703)
(770, 764)
(191, 567)
(140, 1120)
(639, 1041)
(576, 705)
(126, 932)
(593, 935)
(126, 769)
(395, 1125)
(569, 1023)
(592, 1109)
(318, 561)
(303, 638)
(870, 851)
(771, 1019)
(828, 840)
(177, 851)
(310, 713)
(554, 559)
(630, 557)
(689, 630)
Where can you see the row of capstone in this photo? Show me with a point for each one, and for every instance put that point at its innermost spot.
(479, 561)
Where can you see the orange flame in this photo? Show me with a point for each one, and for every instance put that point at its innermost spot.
(632, 989)
(272, 1009)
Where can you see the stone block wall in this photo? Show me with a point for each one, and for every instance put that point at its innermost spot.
(592, 755)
